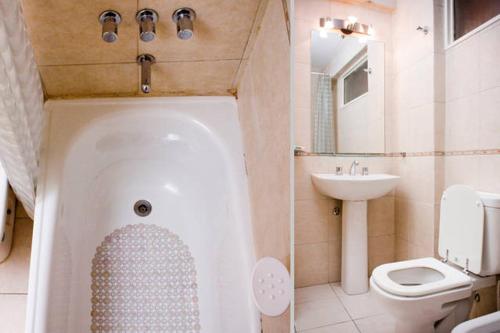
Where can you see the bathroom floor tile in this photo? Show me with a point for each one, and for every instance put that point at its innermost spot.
(346, 327)
(319, 313)
(376, 324)
(358, 306)
(314, 293)
(12, 313)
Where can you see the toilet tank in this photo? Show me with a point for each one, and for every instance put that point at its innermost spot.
(491, 242)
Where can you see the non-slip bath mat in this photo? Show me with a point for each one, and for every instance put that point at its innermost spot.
(144, 280)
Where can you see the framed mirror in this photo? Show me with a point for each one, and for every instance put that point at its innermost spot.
(347, 94)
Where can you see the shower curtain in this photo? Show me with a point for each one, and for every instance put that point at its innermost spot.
(21, 105)
(322, 114)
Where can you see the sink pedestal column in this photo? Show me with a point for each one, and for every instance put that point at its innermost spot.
(354, 276)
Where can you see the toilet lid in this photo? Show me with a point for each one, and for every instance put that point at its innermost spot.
(461, 227)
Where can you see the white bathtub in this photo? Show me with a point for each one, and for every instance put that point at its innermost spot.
(183, 155)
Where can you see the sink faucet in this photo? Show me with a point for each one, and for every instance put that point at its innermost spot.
(354, 164)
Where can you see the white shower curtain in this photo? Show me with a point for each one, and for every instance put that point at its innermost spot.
(322, 113)
(21, 105)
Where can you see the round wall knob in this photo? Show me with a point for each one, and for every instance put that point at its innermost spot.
(110, 20)
(147, 19)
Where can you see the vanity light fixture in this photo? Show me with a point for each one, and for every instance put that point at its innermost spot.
(347, 27)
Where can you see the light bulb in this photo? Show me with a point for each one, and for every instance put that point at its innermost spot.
(352, 19)
(371, 31)
(328, 23)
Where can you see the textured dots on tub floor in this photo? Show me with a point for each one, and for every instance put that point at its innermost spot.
(144, 280)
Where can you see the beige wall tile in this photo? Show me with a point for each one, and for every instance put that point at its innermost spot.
(489, 48)
(462, 69)
(304, 167)
(417, 179)
(12, 313)
(68, 32)
(335, 222)
(303, 86)
(421, 128)
(303, 128)
(462, 125)
(381, 216)
(14, 270)
(489, 121)
(90, 80)
(381, 250)
(193, 78)
(334, 259)
(215, 37)
(489, 175)
(461, 170)
(401, 219)
(487, 304)
(263, 106)
(312, 222)
(311, 264)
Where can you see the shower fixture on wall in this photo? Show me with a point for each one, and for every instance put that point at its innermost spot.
(350, 26)
(147, 19)
(184, 18)
(110, 20)
(145, 61)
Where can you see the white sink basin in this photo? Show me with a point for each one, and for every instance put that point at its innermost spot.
(354, 188)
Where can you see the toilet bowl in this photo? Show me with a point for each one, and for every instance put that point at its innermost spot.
(428, 295)
(418, 293)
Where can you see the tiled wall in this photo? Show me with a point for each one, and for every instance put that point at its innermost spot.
(14, 276)
(74, 61)
(415, 102)
(472, 110)
(263, 104)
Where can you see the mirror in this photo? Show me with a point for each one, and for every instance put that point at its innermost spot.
(347, 94)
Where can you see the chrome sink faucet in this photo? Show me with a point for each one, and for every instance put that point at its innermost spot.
(354, 164)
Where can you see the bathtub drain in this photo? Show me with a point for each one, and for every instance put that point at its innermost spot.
(142, 208)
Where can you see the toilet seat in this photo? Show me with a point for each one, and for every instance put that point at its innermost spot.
(449, 277)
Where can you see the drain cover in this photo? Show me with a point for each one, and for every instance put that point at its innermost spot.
(143, 208)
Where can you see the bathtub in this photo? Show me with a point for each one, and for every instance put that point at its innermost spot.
(101, 260)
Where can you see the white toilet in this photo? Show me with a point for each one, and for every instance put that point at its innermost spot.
(428, 295)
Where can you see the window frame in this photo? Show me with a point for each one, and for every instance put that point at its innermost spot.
(449, 28)
(341, 79)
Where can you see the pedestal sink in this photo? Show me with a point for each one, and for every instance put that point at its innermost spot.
(355, 191)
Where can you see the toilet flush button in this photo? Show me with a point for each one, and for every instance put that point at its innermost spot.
(267, 273)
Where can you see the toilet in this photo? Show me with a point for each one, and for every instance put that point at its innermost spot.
(428, 295)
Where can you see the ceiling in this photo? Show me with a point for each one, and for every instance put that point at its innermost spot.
(74, 61)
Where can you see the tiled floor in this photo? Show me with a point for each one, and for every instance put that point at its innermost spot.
(327, 309)
(14, 276)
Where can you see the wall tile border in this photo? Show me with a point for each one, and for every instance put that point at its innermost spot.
(495, 151)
